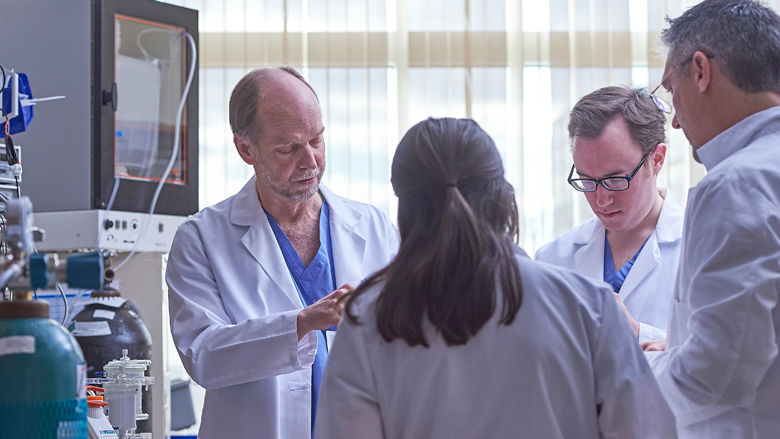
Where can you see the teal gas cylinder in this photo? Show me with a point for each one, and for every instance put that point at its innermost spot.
(42, 375)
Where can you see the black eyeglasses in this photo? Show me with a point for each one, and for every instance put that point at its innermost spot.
(618, 183)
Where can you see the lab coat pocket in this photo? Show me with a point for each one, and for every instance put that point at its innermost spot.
(299, 380)
(297, 414)
(298, 385)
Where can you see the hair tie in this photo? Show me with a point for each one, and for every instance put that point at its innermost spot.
(451, 184)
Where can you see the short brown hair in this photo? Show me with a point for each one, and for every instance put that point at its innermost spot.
(596, 110)
(245, 97)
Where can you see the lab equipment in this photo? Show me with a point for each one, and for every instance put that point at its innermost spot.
(182, 410)
(42, 374)
(127, 67)
(97, 421)
(115, 135)
(17, 102)
(42, 369)
(107, 323)
(25, 270)
(113, 230)
(10, 175)
(122, 386)
(20, 116)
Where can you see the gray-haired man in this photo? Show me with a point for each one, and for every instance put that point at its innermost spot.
(721, 371)
(253, 281)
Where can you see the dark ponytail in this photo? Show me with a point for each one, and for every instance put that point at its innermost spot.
(458, 220)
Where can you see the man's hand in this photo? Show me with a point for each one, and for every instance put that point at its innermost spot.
(631, 321)
(323, 313)
(658, 344)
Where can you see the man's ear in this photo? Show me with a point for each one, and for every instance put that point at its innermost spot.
(657, 158)
(702, 69)
(246, 150)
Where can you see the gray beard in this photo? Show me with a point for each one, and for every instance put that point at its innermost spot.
(286, 192)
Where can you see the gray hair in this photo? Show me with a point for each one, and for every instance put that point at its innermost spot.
(742, 35)
(596, 110)
(245, 98)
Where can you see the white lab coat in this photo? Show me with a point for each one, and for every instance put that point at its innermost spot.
(648, 288)
(566, 367)
(721, 371)
(233, 310)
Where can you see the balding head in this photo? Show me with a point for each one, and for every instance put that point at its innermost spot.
(263, 88)
(277, 128)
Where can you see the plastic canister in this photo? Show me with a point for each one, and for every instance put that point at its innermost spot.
(122, 399)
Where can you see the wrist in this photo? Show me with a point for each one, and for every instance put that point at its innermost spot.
(300, 324)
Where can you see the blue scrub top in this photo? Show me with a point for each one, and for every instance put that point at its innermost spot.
(313, 283)
(616, 278)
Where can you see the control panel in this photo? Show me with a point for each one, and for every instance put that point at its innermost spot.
(112, 230)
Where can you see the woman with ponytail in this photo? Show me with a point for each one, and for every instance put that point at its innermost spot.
(463, 336)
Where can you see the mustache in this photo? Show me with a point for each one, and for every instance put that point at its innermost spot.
(307, 175)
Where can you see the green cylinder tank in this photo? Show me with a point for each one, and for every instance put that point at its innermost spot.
(42, 375)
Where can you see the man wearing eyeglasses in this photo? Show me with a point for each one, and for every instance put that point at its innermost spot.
(720, 371)
(633, 243)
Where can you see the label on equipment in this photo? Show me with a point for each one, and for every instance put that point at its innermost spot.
(103, 314)
(81, 380)
(91, 329)
(17, 344)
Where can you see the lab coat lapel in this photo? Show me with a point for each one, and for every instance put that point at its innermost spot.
(647, 261)
(666, 231)
(260, 241)
(589, 257)
(348, 242)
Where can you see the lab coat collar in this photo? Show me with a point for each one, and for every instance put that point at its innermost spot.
(589, 231)
(739, 136)
(246, 205)
(669, 224)
(589, 256)
(347, 238)
(648, 260)
(667, 230)
(260, 241)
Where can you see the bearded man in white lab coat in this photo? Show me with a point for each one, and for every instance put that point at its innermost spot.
(720, 371)
(633, 243)
(253, 280)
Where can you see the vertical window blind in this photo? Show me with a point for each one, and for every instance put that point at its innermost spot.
(380, 66)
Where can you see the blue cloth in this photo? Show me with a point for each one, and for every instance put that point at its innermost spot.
(616, 278)
(313, 283)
